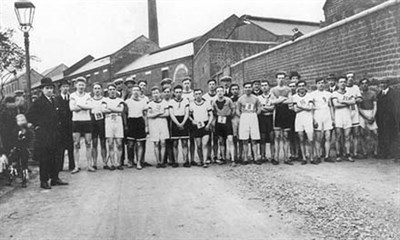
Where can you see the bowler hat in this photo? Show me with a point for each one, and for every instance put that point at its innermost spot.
(63, 82)
(46, 82)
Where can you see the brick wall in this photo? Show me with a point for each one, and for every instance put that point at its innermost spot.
(218, 54)
(155, 77)
(367, 43)
(336, 10)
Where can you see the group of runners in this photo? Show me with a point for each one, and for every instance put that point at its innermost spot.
(290, 120)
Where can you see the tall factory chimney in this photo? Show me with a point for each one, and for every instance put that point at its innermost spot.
(153, 24)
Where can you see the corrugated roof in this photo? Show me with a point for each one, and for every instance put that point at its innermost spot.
(282, 28)
(157, 57)
(96, 63)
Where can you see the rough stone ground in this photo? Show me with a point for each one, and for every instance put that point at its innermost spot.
(358, 200)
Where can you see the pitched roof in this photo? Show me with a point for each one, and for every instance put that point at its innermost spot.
(281, 27)
(54, 71)
(95, 63)
(160, 56)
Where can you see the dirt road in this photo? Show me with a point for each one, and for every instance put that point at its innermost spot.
(149, 204)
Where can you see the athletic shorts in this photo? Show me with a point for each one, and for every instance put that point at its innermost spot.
(355, 117)
(283, 117)
(266, 123)
(177, 133)
(158, 129)
(322, 120)
(82, 127)
(248, 127)
(235, 125)
(223, 126)
(136, 129)
(304, 123)
(364, 124)
(342, 120)
(114, 126)
(98, 129)
(199, 130)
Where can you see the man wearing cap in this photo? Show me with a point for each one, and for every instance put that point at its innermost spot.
(226, 83)
(256, 84)
(166, 83)
(43, 116)
(64, 115)
(119, 83)
(80, 105)
(387, 118)
(332, 83)
(129, 83)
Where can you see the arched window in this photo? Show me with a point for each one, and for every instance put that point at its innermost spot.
(181, 71)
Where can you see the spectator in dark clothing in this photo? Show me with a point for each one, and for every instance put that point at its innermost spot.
(296, 34)
(388, 120)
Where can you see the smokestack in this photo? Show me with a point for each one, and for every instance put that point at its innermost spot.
(153, 23)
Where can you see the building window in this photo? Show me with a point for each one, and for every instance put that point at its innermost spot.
(164, 73)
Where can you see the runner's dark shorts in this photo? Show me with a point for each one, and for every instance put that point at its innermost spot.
(224, 130)
(283, 118)
(177, 133)
(199, 132)
(292, 119)
(136, 129)
(98, 129)
(266, 126)
(82, 127)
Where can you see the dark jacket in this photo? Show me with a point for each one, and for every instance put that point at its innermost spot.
(388, 112)
(64, 117)
(43, 116)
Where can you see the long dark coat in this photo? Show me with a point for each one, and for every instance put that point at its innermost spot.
(388, 121)
(43, 116)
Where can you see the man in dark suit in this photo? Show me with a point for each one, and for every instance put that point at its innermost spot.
(64, 114)
(43, 116)
(388, 121)
(332, 83)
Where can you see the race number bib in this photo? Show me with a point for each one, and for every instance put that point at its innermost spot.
(221, 119)
(249, 107)
(200, 125)
(98, 116)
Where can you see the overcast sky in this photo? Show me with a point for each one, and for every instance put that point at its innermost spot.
(67, 30)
